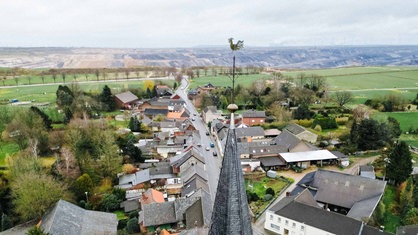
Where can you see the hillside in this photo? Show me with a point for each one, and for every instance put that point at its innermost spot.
(283, 57)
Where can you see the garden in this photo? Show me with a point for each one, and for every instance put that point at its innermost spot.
(261, 190)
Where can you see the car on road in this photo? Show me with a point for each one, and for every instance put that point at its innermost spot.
(215, 154)
(193, 119)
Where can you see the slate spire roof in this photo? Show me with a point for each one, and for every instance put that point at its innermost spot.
(231, 212)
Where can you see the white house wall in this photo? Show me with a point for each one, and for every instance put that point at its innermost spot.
(278, 224)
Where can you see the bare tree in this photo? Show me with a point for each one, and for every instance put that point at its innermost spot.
(127, 74)
(361, 112)
(43, 77)
(33, 147)
(343, 97)
(97, 73)
(63, 75)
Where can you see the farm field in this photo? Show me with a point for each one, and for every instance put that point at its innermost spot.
(47, 93)
(407, 120)
(356, 78)
(244, 80)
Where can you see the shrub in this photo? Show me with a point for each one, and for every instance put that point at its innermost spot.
(129, 168)
(122, 224)
(325, 122)
(133, 214)
(318, 128)
(270, 191)
(267, 197)
(132, 226)
(341, 120)
(305, 122)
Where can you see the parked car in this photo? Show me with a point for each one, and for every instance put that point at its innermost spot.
(215, 154)
(207, 148)
(212, 145)
(207, 133)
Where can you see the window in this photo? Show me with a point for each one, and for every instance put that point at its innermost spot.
(279, 220)
(271, 217)
(275, 226)
(302, 228)
(293, 225)
(286, 222)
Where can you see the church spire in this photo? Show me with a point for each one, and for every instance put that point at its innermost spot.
(231, 215)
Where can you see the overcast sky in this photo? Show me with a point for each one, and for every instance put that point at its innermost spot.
(189, 23)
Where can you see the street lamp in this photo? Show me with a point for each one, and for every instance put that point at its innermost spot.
(87, 199)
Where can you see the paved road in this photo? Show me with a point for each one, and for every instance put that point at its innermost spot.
(212, 163)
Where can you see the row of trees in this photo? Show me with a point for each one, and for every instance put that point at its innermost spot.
(17, 74)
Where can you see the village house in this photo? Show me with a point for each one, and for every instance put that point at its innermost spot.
(291, 142)
(126, 100)
(67, 218)
(300, 214)
(211, 113)
(252, 117)
(301, 133)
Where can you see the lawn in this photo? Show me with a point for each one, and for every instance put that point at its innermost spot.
(406, 119)
(224, 81)
(392, 220)
(259, 186)
(7, 149)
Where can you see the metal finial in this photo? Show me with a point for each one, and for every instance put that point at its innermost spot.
(232, 108)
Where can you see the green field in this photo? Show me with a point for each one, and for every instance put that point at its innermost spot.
(356, 78)
(7, 149)
(47, 93)
(224, 81)
(406, 119)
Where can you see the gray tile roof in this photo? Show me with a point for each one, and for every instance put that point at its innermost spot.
(193, 171)
(126, 97)
(166, 212)
(253, 114)
(319, 218)
(152, 112)
(130, 205)
(158, 172)
(231, 212)
(271, 161)
(257, 149)
(68, 219)
(407, 230)
(356, 193)
(295, 128)
(249, 131)
(193, 185)
(178, 161)
(287, 140)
